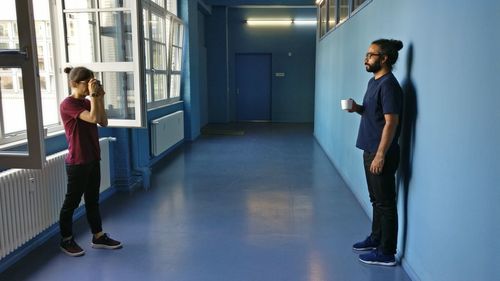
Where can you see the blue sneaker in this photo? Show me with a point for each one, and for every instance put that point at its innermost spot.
(377, 257)
(367, 245)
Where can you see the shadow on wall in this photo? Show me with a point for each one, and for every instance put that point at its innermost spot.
(406, 142)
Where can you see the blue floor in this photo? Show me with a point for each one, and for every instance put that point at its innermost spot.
(267, 205)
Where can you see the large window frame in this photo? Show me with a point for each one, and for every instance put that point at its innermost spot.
(333, 13)
(31, 142)
(163, 34)
(114, 74)
(26, 59)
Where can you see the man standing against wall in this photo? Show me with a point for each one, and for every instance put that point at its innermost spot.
(378, 138)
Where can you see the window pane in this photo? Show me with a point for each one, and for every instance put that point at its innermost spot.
(332, 14)
(12, 102)
(177, 35)
(79, 4)
(343, 10)
(148, 87)
(145, 17)
(172, 6)
(40, 29)
(157, 28)
(159, 56)
(114, 3)
(160, 86)
(176, 58)
(50, 110)
(9, 38)
(357, 3)
(322, 19)
(147, 53)
(81, 37)
(119, 99)
(43, 83)
(4, 29)
(168, 23)
(50, 106)
(6, 81)
(175, 85)
(116, 36)
(160, 2)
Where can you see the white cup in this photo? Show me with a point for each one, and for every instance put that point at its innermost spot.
(346, 104)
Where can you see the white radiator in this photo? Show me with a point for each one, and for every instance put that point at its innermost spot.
(30, 200)
(166, 132)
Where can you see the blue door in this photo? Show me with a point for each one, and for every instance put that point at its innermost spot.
(253, 87)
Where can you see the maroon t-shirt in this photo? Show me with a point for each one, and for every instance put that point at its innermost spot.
(83, 141)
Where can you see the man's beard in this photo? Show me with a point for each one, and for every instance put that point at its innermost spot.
(375, 67)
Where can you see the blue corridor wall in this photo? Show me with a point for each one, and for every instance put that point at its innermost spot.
(293, 53)
(449, 67)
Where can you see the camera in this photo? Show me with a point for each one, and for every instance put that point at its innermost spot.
(98, 82)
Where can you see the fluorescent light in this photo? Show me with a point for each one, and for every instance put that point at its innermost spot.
(269, 22)
(280, 22)
(305, 22)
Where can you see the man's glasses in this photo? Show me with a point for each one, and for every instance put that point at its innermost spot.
(370, 55)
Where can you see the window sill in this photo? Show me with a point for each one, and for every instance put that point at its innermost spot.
(165, 105)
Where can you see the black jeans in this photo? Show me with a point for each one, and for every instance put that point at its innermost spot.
(382, 190)
(83, 180)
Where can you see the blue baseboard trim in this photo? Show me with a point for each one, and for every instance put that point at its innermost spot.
(47, 234)
(155, 160)
(409, 270)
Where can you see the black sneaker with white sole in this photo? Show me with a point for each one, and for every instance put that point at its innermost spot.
(69, 247)
(104, 242)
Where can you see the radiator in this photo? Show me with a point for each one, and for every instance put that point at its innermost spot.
(30, 200)
(166, 132)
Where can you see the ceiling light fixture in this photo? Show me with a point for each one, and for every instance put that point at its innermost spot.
(305, 22)
(280, 22)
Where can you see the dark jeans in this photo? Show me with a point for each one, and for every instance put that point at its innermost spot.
(382, 190)
(82, 180)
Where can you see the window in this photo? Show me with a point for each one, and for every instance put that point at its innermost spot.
(13, 124)
(19, 84)
(100, 35)
(343, 10)
(176, 58)
(170, 5)
(335, 12)
(163, 39)
(357, 4)
(332, 12)
(323, 18)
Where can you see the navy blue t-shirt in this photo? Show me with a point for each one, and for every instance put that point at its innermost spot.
(383, 96)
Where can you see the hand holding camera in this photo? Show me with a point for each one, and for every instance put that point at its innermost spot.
(95, 88)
